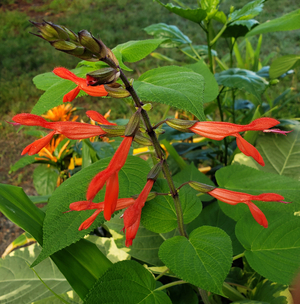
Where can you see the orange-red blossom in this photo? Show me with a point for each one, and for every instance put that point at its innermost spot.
(233, 198)
(64, 73)
(70, 129)
(219, 130)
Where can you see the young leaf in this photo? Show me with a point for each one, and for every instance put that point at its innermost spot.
(243, 80)
(171, 32)
(288, 22)
(203, 260)
(283, 64)
(133, 283)
(247, 12)
(22, 162)
(195, 15)
(61, 229)
(175, 86)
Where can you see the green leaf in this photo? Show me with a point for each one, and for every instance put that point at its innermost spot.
(283, 64)
(273, 252)
(171, 32)
(202, 50)
(45, 179)
(22, 162)
(54, 94)
(175, 86)
(245, 179)
(159, 214)
(145, 245)
(288, 22)
(108, 247)
(133, 283)
(239, 28)
(45, 81)
(247, 301)
(183, 294)
(279, 152)
(212, 215)
(61, 229)
(203, 260)
(19, 284)
(211, 88)
(243, 80)
(211, 8)
(248, 11)
(195, 15)
(71, 297)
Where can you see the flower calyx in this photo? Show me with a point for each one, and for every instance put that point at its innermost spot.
(96, 46)
(103, 76)
(115, 90)
(154, 172)
(201, 187)
(133, 124)
(142, 139)
(180, 124)
(113, 130)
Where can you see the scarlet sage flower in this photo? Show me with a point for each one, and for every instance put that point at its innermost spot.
(219, 130)
(99, 207)
(70, 129)
(132, 215)
(99, 118)
(110, 177)
(233, 198)
(81, 85)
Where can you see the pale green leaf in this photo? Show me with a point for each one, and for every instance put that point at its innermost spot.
(171, 32)
(45, 179)
(71, 297)
(20, 285)
(175, 86)
(243, 80)
(127, 282)
(203, 260)
(288, 22)
(283, 64)
(248, 11)
(22, 162)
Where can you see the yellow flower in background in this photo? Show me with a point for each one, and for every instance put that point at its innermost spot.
(61, 113)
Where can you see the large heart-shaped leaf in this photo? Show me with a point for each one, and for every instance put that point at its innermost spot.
(171, 32)
(175, 86)
(243, 80)
(273, 252)
(61, 229)
(133, 283)
(288, 22)
(283, 64)
(203, 260)
(20, 285)
(195, 15)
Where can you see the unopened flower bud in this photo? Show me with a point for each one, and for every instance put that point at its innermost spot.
(103, 76)
(180, 124)
(154, 172)
(201, 187)
(113, 131)
(96, 46)
(116, 92)
(133, 124)
(142, 139)
(64, 45)
(112, 56)
(147, 106)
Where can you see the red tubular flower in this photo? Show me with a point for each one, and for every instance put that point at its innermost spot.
(233, 198)
(132, 215)
(88, 205)
(219, 130)
(110, 177)
(81, 85)
(70, 129)
(99, 118)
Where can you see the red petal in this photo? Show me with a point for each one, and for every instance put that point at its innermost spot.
(71, 95)
(88, 222)
(38, 145)
(263, 123)
(66, 74)
(258, 215)
(94, 91)
(248, 149)
(132, 231)
(86, 205)
(98, 118)
(268, 197)
(29, 120)
(111, 196)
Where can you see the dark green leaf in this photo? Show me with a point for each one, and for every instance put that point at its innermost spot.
(195, 15)
(288, 22)
(171, 32)
(61, 229)
(183, 294)
(243, 80)
(159, 214)
(239, 28)
(247, 12)
(283, 64)
(203, 260)
(133, 283)
(176, 86)
(45, 179)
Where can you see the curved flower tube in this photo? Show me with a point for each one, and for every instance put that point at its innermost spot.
(219, 130)
(99, 207)
(70, 129)
(132, 215)
(110, 177)
(233, 198)
(64, 73)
